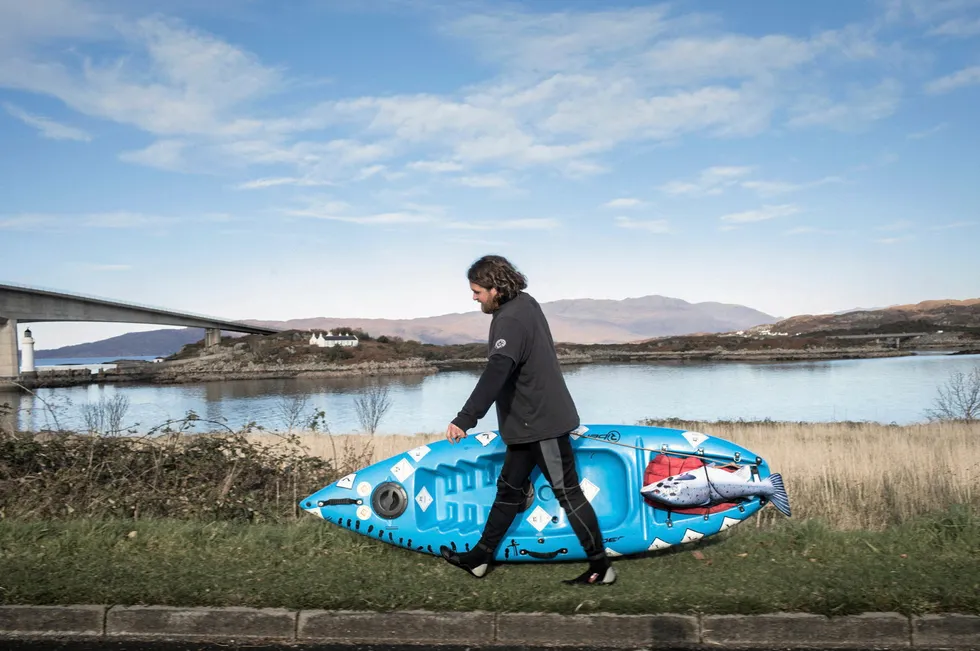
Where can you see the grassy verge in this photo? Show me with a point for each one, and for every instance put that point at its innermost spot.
(926, 564)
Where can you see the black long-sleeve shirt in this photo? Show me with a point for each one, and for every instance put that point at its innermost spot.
(498, 369)
(523, 376)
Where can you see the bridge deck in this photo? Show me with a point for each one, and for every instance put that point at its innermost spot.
(32, 304)
(20, 303)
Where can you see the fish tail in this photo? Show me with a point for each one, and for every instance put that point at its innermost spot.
(780, 499)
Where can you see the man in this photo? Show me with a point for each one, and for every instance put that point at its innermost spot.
(535, 415)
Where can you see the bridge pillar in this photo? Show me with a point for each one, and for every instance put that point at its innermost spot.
(212, 337)
(9, 364)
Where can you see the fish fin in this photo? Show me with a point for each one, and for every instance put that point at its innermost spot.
(744, 473)
(780, 499)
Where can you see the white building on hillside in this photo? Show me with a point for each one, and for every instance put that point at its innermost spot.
(330, 339)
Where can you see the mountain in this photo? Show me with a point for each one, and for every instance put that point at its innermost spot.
(858, 309)
(914, 317)
(596, 321)
(585, 321)
(131, 344)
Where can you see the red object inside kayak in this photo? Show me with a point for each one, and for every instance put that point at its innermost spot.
(662, 466)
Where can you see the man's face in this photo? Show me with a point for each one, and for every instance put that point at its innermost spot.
(487, 298)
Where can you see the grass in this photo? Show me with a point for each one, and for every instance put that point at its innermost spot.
(853, 476)
(928, 564)
(885, 519)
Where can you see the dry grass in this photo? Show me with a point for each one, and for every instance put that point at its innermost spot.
(866, 476)
(852, 476)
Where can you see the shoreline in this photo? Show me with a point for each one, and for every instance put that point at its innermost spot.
(199, 370)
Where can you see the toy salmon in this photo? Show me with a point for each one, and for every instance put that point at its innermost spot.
(709, 485)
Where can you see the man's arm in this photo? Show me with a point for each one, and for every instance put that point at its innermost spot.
(498, 369)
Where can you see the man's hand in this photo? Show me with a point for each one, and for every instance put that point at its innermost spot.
(454, 434)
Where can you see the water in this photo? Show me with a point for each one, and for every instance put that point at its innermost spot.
(888, 390)
(91, 363)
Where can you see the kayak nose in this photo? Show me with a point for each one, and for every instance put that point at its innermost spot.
(331, 503)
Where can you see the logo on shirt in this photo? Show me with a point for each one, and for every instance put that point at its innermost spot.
(500, 343)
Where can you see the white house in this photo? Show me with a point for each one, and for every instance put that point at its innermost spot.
(332, 340)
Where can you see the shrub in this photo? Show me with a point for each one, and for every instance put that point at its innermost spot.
(958, 398)
(168, 473)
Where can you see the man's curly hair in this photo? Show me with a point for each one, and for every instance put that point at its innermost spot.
(494, 271)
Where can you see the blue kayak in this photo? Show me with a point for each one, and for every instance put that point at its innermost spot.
(441, 494)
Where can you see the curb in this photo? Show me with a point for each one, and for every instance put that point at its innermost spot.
(475, 629)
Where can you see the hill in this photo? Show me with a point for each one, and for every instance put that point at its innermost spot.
(582, 321)
(132, 344)
(927, 316)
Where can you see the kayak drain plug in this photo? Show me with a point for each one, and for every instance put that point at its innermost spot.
(389, 500)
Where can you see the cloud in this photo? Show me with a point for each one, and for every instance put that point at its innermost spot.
(810, 230)
(712, 180)
(900, 225)
(163, 154)
(625, 202)
(435, 167)
(123, 219)
(960, 79)
(921, 11)
(369, 171)
(258, 184)
(730, 56)
(958, 27)
(577, 169)
(484, 181)
(955, 225)
(863, 105)
(919, 135)
(48, 127)
(507, 224)
(651, 226)
(43, 222)
(387, 218)
(571, 89)
(190, 85)
(42, 21)
(894, 240)
(773, 188)
(558, 41)
(411, 213)
(109, 267)
(763, 214)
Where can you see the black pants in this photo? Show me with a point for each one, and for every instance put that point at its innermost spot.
(557, 462)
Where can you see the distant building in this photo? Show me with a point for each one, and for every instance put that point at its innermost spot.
(331, 339)
(27, 353)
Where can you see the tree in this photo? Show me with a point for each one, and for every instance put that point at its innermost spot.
(291, 409)
(106, 416)
(371, 407)
(959, 398)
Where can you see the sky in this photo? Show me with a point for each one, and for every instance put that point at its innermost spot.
(255, 159)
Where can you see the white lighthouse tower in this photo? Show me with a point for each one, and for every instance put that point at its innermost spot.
(27, 353)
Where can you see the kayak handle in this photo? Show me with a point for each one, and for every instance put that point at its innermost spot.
(544, 555)
(339, 500)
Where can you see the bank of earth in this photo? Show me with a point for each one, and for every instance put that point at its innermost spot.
(289, 355)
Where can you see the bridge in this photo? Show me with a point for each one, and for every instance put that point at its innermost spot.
(897, 337)
(23, 304)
